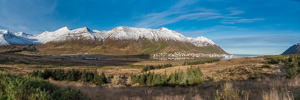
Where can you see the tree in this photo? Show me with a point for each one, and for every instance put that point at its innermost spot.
(46, 73)
(158, 80)
(142, 79)
(99, 79)
(84, 76)
(149, 78)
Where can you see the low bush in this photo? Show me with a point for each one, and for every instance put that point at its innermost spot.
(32, 88)
(266, 66)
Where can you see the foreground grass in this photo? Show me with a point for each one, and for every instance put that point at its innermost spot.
(29, 88)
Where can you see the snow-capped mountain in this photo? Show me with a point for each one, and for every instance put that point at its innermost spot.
(122, 33)
(12, 38)
(63, 34)
(23, 34)
(118, 33)
(119, 40)
(201, 41)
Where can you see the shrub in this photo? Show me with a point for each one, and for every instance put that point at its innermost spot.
(266, 66)
(276, 60)
(32, 88)
(229, 93)
(99, 79)
(292, 72)
(192, 77)
(59, 74)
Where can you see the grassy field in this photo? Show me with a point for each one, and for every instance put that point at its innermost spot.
(260, 78)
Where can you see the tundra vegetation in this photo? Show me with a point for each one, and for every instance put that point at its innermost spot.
(32, 88)
(259, 78)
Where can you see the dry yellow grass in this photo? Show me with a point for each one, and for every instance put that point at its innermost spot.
(132, 93)
(233, 69)
(273, 94)
(224, 70)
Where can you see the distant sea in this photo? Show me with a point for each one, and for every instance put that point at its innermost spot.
(248, 55)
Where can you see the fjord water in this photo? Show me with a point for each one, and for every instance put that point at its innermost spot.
(243, 55)
(247, 55)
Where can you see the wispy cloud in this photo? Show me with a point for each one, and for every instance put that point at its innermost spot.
(234, 11)
(176, 13)
(240, 20)
(209, 29)
(24, 15)
(181, 11)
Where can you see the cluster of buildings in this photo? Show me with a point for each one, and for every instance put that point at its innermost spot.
(187, 56)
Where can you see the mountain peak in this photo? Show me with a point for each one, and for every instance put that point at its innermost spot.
(63, 29)
(2, 31)
(163, 29)
(23, 34)
(121, 28)
(200, 37)
(82, 30)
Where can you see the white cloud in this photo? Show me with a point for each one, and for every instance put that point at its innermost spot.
(176, 13)
(183, 11)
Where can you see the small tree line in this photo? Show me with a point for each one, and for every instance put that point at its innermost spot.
(200, 62)
(152, 67)
(192, 77)
(71, 75)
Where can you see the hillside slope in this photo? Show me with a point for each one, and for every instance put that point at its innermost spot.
(295, 49)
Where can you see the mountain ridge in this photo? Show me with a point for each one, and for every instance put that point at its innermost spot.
(120, 32)
(294, 49)
(120, 40)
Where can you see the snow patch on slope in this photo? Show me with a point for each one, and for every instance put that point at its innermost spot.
(121, 33)
(50, 36)
(201, 41)
(9, 37)
(3, 41)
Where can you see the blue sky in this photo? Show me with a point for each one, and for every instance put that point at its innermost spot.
(238, 26)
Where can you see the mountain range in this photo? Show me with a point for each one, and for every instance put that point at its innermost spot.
(119, 40)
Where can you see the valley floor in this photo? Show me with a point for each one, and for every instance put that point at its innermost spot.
(234, 79)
